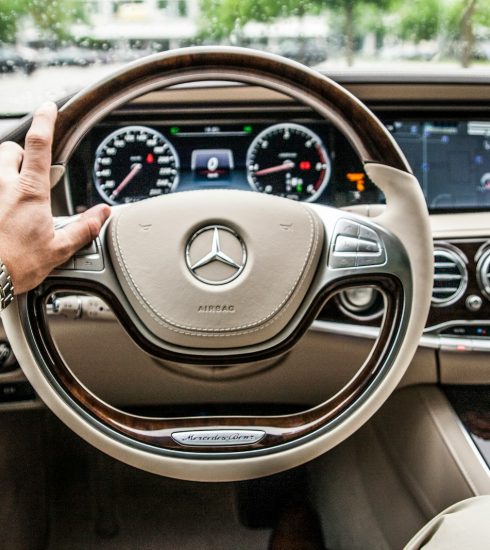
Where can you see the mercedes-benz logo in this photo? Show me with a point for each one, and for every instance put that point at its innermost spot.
(215, 255)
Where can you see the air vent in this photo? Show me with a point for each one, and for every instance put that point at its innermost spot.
(450, 277)
(483, 273)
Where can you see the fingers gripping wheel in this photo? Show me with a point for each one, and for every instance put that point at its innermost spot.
(209, 247)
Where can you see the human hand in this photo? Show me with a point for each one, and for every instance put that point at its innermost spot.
(30, 248)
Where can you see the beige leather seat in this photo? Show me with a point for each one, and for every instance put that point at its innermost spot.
(463, 526)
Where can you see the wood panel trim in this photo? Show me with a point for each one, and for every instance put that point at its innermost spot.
(373, 142)
(157, 432)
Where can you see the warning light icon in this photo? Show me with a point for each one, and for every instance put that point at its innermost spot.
(359, 178)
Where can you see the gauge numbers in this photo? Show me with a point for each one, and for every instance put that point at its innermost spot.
(288, 160)
(135, 163)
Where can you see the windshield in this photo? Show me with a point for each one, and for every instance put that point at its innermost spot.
(51, 48)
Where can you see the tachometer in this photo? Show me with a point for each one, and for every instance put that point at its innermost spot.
(135, 163)
(288, 160)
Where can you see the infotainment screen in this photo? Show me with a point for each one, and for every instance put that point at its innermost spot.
(451, 160)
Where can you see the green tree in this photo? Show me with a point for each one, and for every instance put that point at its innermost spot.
(463, 18)
(223, 17)
(10, 11)
(52, 17)
(467, 35)
(55, 17)
(420, 19)
(351, 13)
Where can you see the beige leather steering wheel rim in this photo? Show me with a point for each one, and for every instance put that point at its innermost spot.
(404, 263)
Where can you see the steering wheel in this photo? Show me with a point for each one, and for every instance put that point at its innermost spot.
(184, 275)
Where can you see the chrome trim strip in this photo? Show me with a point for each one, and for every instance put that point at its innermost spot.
(363, 331)
(473, 446)
(446, 324)
(214, 438)
(431, 341)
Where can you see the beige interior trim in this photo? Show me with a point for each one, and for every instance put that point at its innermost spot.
(464, 452)
(443, 226)
(438, 461)
(408, 209)
(404, 450)
(407, 217)
(454, 226)
(55, 174)
(463, 525)
(152, 243)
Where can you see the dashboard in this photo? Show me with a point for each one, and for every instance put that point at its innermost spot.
(193, 139)
(307, 161)
(273, 145)
(181, 140)
(213, 137)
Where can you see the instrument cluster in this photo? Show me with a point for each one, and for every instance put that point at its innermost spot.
(300, 161)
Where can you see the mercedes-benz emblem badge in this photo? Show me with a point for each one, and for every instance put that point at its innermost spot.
(215, 255)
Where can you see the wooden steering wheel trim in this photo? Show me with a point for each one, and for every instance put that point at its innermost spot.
(291, 440)
(157, 432)
(350, 114)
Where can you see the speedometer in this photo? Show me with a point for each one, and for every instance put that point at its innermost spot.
(135, 163)
(288, 160)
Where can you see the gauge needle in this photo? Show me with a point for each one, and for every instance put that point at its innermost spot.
(279, 168)
(134, 170)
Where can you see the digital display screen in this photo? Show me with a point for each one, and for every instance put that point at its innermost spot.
(211, 164)
(302, 161)
(288, 160)
(451, 160)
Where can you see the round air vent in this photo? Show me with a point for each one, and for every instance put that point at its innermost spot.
(450, 277)
(483, 273)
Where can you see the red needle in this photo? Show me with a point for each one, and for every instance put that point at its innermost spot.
(134, 170)
(279, 168)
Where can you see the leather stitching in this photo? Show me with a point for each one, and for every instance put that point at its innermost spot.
(174, 326)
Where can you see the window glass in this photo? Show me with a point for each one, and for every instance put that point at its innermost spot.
(51, 48)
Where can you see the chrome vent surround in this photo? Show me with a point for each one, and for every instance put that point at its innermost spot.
(450, 277)
(483, 273)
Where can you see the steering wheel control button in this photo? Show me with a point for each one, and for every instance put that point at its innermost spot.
(87, 258)
(338, 261)
(93, 262)
(89, 249)
(345, 244)
(367, 259)
(218, 438)
(347, 227)
(216, 255)
(371, 247)
(356, 245)
(367, 233)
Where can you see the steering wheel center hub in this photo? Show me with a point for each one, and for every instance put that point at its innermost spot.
(209, 269)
